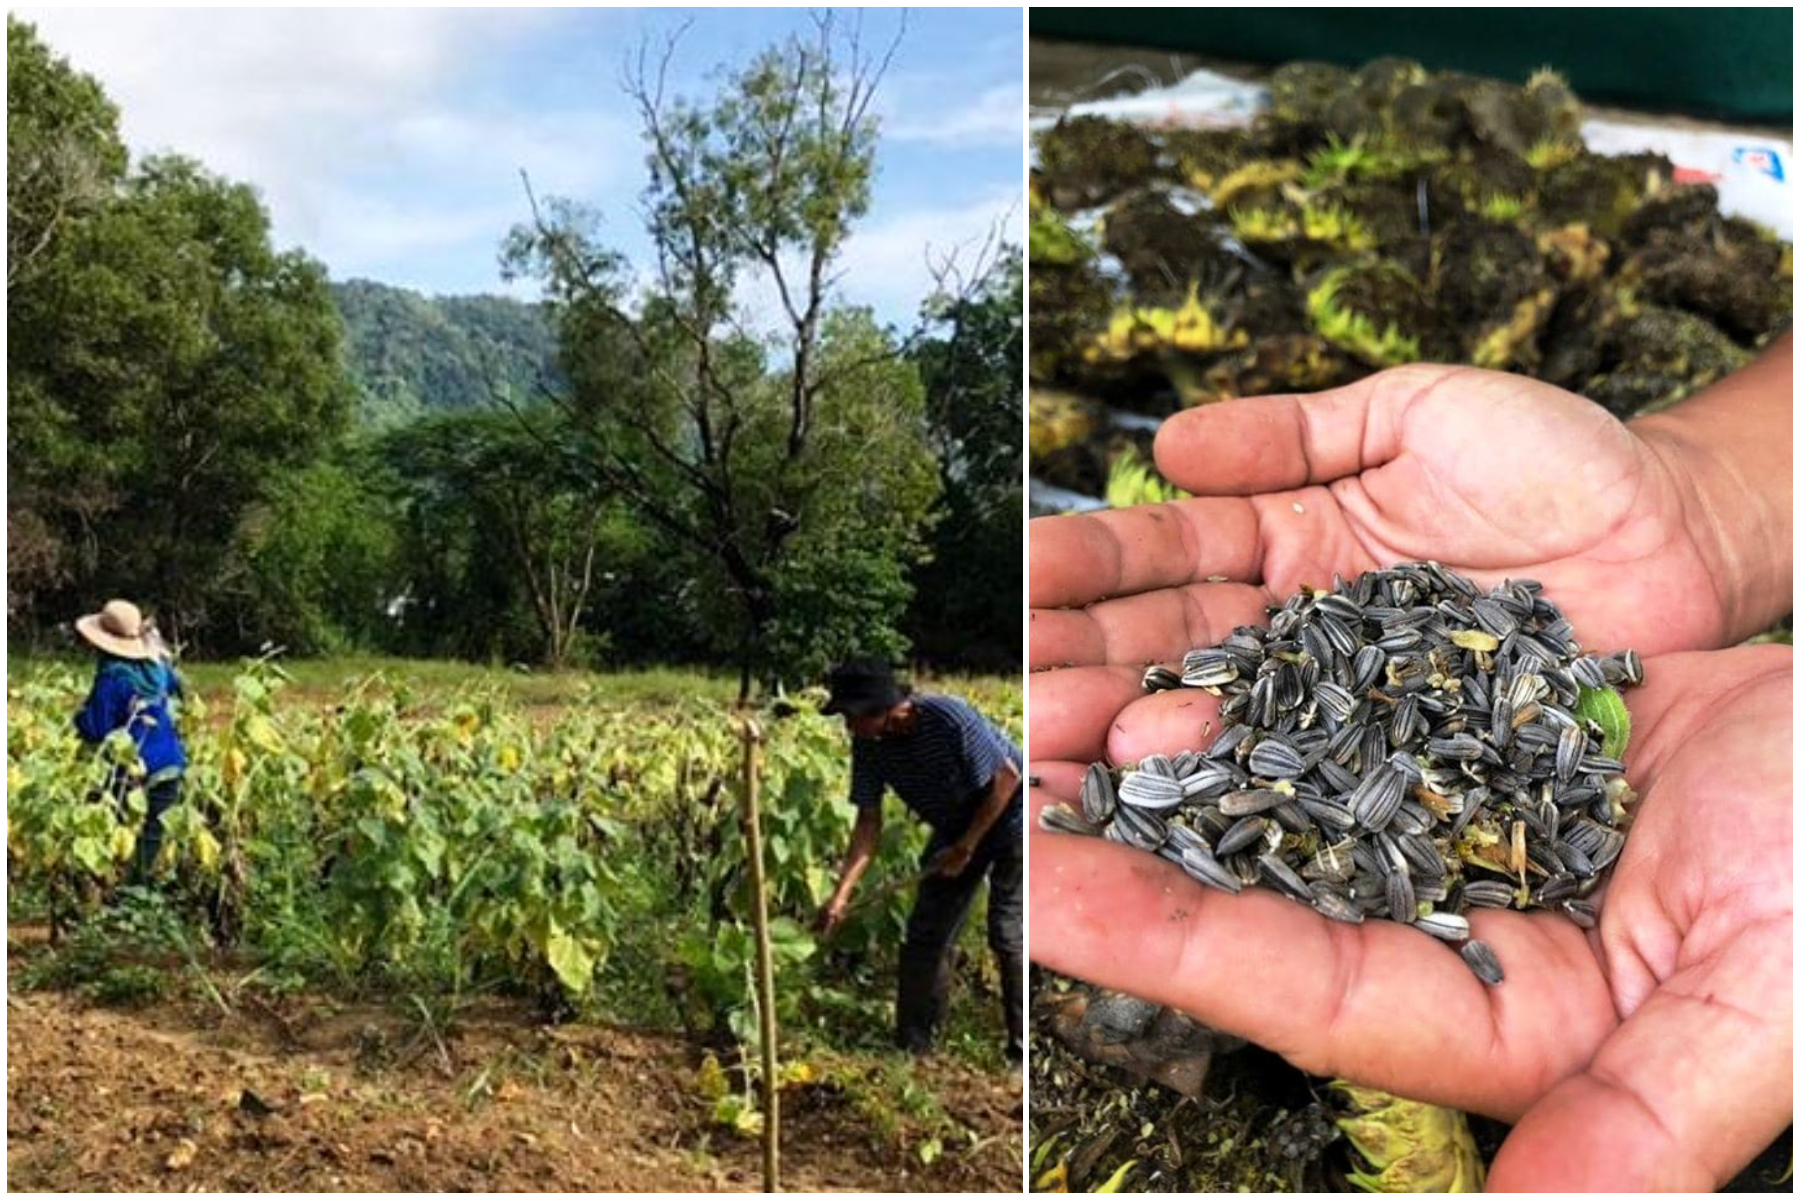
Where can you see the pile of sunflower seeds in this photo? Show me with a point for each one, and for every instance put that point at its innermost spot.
(1402, 747)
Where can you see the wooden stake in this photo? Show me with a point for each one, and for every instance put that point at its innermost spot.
(765, 959)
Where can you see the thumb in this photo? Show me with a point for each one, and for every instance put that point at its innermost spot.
(1273, 443)
(1681, 1097)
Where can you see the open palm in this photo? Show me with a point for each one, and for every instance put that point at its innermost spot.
(1488, 473)
(1655, 1051)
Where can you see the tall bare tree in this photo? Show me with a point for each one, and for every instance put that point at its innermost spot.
(708, 420)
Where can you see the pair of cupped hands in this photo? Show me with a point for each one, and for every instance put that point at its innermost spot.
(1653, 1052)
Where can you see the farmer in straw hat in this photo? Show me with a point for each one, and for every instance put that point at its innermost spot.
(961, 776)
(133, 685)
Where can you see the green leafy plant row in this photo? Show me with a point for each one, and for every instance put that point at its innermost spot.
(591, 858)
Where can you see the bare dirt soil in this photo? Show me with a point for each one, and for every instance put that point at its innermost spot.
(304, 1094)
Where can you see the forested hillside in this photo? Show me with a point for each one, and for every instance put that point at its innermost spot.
(409, 354)
(205, 421)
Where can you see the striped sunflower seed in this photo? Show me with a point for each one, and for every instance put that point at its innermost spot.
(1146, 789)
(1394, 723)
(1482, 960)
(1253, 800)
(1098, 795)
(1275, 759)
(1376, 800)
(1060, 818)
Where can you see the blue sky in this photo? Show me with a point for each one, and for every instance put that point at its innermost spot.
(387, 142)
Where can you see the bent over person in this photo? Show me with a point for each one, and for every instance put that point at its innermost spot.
(961, 776)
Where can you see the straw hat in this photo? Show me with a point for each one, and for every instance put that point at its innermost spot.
(117, 629)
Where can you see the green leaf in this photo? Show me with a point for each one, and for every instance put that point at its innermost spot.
(1133, 481)
(93, 854)
(789, 942)
(1051, 241)
(740, 1114)
(742, 1023)
(1117, 1182)
(429, 847)
(1606, 708)
(787, 930)
(569, 959)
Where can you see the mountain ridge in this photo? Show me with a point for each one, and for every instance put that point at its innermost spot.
(412, 355)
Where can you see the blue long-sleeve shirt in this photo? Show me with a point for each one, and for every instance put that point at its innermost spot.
(134, 696)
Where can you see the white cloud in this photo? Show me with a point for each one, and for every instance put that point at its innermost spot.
(387, 142)
(338, 116)
(889, 265)
(992, 117)
(578, 154)
(205, 79)
(361, 227)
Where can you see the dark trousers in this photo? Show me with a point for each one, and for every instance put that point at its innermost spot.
(159, 799)
(938, 917)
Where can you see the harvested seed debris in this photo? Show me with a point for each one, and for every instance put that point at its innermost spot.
(1402, 747)
(1365, 219)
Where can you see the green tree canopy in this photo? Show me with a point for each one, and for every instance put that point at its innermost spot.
(167, 364)
(63, 153)
(755, 447)
(969, 601)
(322, 560)
(510, 541)
(844, 585)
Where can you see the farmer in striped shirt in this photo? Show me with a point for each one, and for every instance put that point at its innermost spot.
(960, 775)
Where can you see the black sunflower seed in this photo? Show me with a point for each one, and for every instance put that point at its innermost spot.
(1098, 796)
(1489, 893)
(1275, 759)
(1246, 832)
(1410, 728)
(1481, 959)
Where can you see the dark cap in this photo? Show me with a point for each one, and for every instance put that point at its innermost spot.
(863, 686)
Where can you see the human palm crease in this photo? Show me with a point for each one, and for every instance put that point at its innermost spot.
(1641, 1033)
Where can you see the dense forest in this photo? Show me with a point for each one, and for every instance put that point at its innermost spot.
(264, 457)
(410, 355)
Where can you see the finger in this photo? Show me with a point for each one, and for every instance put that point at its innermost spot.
(1377, 1003)
(1682, 692)
(1085, 714)
(1054, 780)
(1164, 723)
(1272, 443)
(1665, 907)
(1085, 557)
(1688, 1090)
(1072, 708)
(1159, 626)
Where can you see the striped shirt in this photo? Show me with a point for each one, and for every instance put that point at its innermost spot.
(941, 769)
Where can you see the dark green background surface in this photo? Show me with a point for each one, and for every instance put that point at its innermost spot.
(1720, 63)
